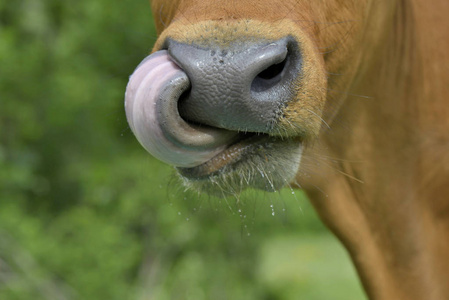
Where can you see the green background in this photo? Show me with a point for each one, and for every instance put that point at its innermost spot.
(86, 213)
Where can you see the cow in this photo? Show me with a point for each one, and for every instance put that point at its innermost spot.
(347, 100)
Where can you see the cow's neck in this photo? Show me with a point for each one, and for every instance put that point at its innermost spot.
(385, 187)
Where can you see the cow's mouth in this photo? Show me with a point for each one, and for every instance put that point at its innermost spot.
(256, 160)
(246, 144)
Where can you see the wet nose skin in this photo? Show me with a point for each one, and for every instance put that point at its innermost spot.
(241, 87)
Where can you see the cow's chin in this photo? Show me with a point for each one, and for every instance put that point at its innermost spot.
(257, 161)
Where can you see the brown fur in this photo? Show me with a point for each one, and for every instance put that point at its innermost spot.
(378, 173)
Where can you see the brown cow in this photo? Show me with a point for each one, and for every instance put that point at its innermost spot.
(345, 99)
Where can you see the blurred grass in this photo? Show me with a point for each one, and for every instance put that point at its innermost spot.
(85, 213)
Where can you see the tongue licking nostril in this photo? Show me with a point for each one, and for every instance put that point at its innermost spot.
(151, 104)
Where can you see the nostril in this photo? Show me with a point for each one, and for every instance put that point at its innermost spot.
(181, 105)
(186, 112)
(269, 77)
(272, 71)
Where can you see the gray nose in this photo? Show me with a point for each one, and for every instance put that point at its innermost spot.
(242, 87)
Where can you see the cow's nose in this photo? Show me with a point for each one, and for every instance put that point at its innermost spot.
(243, 86)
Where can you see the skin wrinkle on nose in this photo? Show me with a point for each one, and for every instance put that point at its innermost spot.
(219, 74)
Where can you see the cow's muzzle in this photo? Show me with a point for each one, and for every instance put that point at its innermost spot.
(187, 103)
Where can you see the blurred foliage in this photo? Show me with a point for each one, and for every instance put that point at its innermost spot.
(85, 213)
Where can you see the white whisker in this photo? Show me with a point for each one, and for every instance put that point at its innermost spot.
(312, 112)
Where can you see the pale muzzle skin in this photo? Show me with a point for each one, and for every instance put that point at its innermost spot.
(151, 104)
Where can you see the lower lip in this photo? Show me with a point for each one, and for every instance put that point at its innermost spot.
(227, 157)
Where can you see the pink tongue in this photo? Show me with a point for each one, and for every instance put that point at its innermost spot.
(151, 109)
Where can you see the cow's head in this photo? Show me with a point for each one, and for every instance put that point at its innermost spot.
(238, 90)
